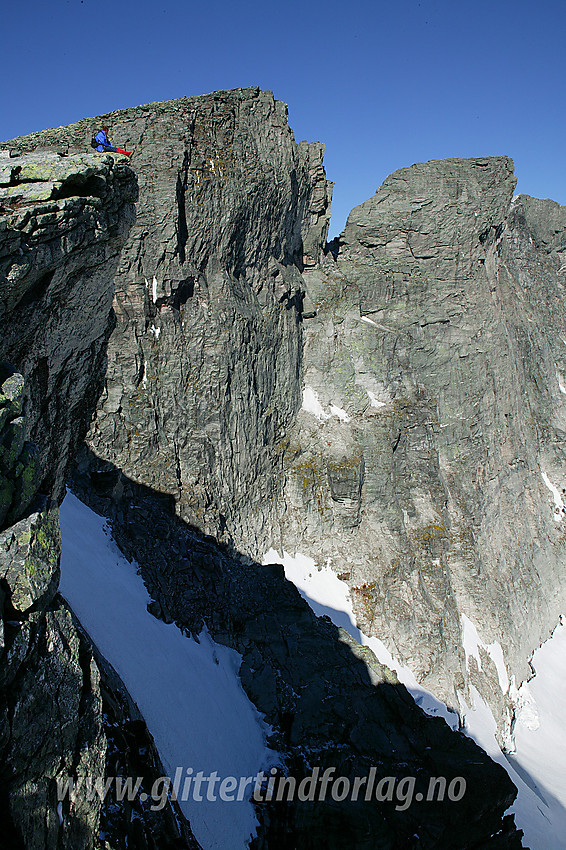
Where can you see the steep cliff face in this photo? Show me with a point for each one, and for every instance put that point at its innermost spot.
(62, 222)
(204, 364)
(330, 704)
(430, 437)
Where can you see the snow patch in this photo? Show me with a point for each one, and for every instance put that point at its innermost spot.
(374, 400)
(559, 506)
(155, 331)
(153, 288)
(377, 325)
(471, 643)
(495, 652)
(189, 692)
(311, 404)
(341, 414)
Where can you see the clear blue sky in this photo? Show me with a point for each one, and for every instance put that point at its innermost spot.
(382, 84)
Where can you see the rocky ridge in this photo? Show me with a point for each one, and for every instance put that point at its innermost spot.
(203, 387)
(62, 222)
(328, 700)
(203, 376)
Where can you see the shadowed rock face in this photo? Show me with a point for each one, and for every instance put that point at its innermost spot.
(439, 333)
(62, 221)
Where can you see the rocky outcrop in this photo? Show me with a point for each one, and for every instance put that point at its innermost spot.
(61, 225)
(65, 719)
(432, 427)
(204, 364)
(63, 221)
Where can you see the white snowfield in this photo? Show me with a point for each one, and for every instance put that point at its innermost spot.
(472, 643)
(188, 692)
(538, 765)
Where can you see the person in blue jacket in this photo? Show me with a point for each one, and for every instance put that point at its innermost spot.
(104, 143)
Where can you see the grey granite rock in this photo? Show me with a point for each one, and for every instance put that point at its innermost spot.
(437, 342)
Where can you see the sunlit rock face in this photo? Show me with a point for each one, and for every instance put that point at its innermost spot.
(428, 461)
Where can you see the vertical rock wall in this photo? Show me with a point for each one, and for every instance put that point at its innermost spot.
(203, 387)
(435, 410)
(62, 221)
(204, 364)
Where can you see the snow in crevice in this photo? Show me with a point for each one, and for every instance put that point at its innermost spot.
(538, 764)
(471, 643)
(368, 321)
(311, 404)
(153, 288)
(375, 402)
(189, 692)
(377, 325)
(559, 506)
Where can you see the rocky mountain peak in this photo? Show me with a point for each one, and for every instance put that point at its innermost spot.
(391, 407)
